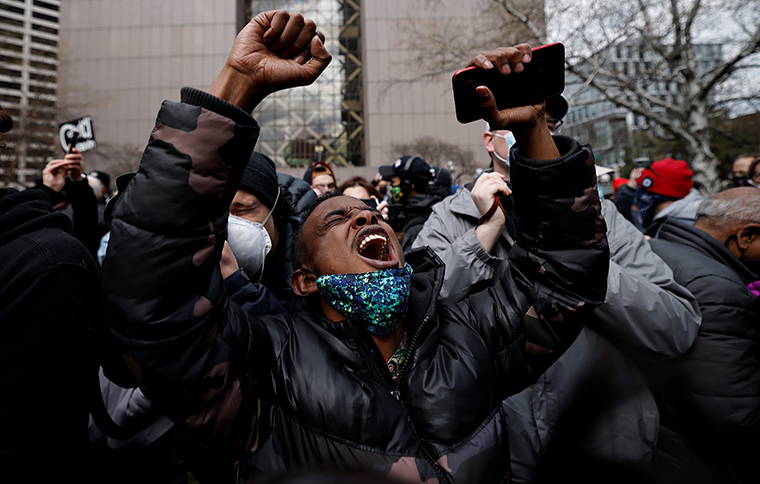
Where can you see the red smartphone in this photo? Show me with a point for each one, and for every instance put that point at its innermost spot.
(542, 78)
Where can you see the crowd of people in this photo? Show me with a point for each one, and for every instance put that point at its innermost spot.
(214, 317)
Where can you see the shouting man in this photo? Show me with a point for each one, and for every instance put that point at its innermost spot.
(368, 369)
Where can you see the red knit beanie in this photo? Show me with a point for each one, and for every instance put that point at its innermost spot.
(668, 177)
(617, 183)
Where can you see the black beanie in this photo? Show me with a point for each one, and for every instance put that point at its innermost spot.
(260, 179)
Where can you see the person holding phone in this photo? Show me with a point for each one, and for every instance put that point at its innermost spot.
(470, 234)
(363, 190)
(368, 369)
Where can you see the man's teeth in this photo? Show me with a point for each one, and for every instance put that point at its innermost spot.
(370, 238)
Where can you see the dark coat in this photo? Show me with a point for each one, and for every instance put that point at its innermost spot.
(297, 390)
(710, 398)
(49, 295)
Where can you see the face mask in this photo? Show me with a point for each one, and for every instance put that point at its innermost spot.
(250, 242)
(741, 181)
(751, 264)
(647, 202)
(378, 299)
(397, 195)
(510, 139)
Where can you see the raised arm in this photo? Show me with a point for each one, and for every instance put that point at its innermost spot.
(190, 350)
(559, 263)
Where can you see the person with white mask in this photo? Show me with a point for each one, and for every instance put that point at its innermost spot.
(263, 217)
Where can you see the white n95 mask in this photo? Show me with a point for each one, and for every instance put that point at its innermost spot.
(250, 242)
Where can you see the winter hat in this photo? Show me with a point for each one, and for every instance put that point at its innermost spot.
(557, 106)
(668, 177)
(411, 169)
(260, 179)
(104, 178)
(320, 168)
(617, 183)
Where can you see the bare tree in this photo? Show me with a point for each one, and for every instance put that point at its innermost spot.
(667, 38)
(459, 161)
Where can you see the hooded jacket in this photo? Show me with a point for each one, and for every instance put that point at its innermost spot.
(293, 391)
(684, 209)
(712, 394)
(49, 296)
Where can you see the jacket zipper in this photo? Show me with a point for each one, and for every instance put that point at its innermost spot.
(413, 347)
(391, 387)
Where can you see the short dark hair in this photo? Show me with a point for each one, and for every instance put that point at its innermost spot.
(298, 249)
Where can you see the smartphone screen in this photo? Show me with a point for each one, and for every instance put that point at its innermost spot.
(371, 202)
(542, 78)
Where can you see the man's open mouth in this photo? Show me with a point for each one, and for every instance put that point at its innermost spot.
(374, 246)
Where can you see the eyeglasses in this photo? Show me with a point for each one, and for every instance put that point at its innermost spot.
(554, 123)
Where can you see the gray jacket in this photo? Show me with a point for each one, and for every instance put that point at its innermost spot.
(684, 209)
(646, 315)
(450, 232)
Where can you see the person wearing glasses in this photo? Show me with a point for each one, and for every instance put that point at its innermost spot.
(556, 109)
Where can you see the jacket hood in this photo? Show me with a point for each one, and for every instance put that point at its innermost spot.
(685, 234)
(28, 211)
(684, 209)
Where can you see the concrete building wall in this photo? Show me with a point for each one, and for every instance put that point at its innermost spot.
(120, 60)
(401, 103)
(396, 110)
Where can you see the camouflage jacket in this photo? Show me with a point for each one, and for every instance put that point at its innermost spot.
(296, 390)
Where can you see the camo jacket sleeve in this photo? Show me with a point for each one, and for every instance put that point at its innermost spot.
(560, 260)
(184, 343)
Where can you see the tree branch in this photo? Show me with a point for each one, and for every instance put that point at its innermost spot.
(716, 74)
(525, 21)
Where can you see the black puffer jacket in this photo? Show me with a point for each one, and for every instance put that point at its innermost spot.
(295, 196)
(710, 398)
(300, 391)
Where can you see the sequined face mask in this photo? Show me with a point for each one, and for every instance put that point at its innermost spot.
(377, 299)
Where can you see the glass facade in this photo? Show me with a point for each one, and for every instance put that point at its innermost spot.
(324, 121)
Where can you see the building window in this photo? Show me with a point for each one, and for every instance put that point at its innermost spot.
(324, 121)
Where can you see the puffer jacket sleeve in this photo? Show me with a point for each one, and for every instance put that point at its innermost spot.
(645, 310)
(561, 255)
(186, 345)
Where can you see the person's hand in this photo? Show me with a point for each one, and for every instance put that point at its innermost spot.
(54, 175)
(276, 50)
(635, 173)
(382, 207)
(75, 162)
(228, 264)
(527, 123)
(486, 186)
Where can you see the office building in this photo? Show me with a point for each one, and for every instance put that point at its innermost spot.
(29, 31)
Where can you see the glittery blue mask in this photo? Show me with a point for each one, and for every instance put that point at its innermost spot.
(378, 299)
